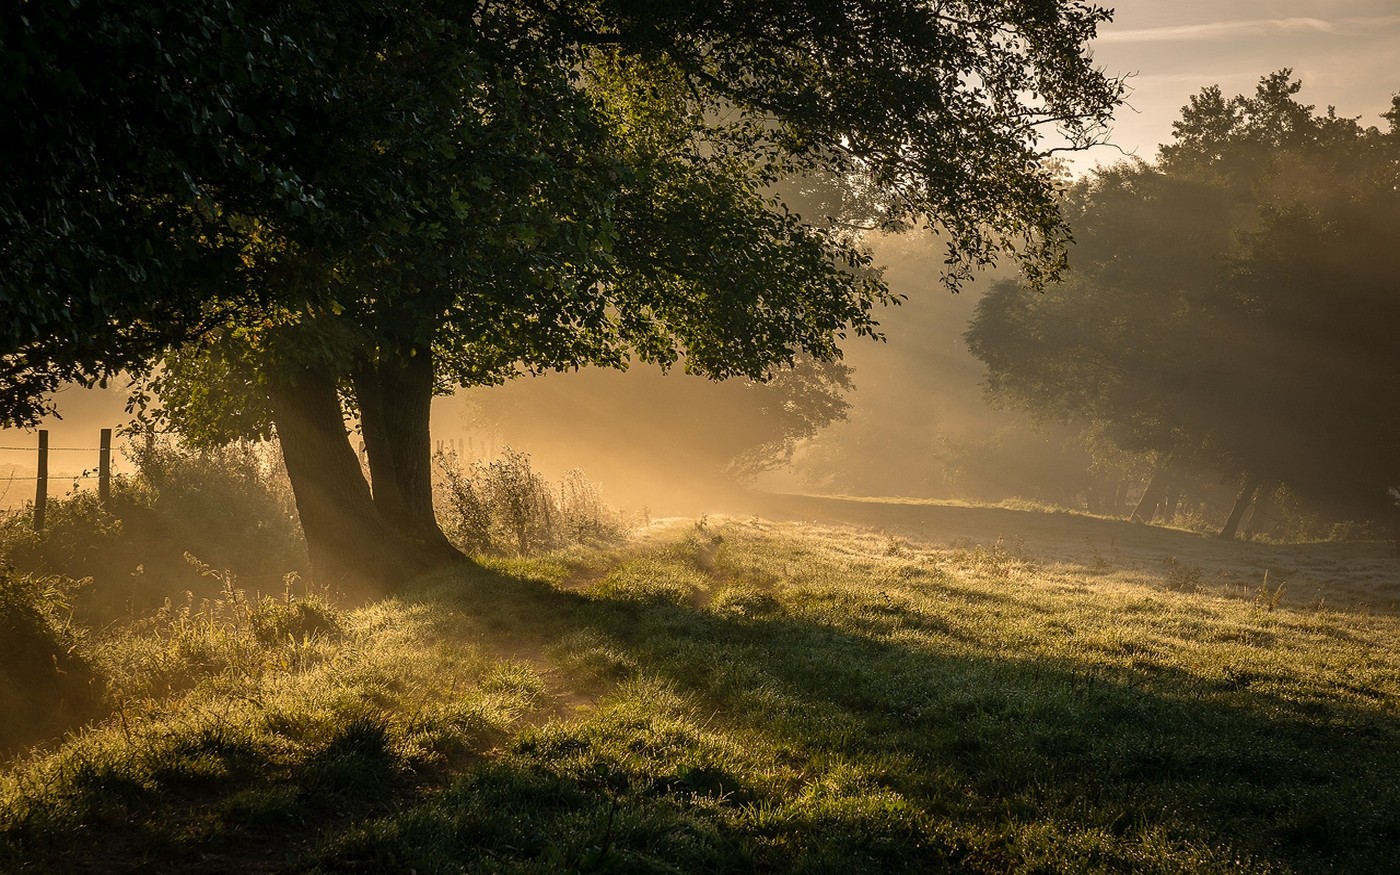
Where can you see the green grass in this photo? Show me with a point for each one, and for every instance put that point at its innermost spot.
(741, 696)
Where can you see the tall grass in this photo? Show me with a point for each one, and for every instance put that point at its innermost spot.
(47, 680)
(239, 718)
(68, 592)
(194, 549)
(504, 507)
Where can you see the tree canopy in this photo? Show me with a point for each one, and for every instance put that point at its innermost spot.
(135, 140)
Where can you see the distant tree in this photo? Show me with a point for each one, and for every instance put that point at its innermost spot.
(1226, 304)
(499, 188)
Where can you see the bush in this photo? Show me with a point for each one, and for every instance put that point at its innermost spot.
(81, 538)
(46, 681)
(506, 507)
(232, 506)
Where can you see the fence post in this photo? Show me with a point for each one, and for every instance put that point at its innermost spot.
(104, 466)
(41, 489)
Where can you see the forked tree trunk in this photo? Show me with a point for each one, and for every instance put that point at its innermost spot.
(350, 544)
(1242, 503)
(395, 397)
(1152, 496)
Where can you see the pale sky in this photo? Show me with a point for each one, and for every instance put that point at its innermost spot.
(1346, 52)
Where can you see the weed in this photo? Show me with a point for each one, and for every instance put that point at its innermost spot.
(1267, 599)
(1097, 562)
(505, 507)
(1182, 577)
(896, 546)
(995, 560)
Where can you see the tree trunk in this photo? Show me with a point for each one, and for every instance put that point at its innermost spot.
(1395, 530)
(395, 398)
(1097, 495)
(1090, 498)
(349, 543)
(1151, 497)
(379, 449)
(1242, 503)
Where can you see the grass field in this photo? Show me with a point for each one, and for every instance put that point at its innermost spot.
(934, 689)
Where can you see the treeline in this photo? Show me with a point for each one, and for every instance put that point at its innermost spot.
(1232, 307)
(1223, 345)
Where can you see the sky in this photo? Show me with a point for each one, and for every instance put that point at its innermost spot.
(1346, 52)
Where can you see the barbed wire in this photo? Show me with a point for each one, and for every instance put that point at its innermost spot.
(55, 449)
(83, 476)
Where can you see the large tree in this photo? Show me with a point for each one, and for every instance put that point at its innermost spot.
(511, 187)
(1229, 305)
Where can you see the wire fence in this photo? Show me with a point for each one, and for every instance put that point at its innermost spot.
(43, 477)
(82, 475)
(55, 449)
(31, 478)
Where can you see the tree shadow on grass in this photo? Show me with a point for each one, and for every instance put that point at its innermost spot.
(743, 737)
(957, 728)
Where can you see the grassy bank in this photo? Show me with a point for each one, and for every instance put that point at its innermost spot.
(731, 697)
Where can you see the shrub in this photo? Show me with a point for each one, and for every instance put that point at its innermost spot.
(231, 505)
(46, 681)
(81, 538)
(461, 504)
(522, 510)
(585, 517)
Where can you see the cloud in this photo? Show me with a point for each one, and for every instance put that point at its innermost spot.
(1249, 28)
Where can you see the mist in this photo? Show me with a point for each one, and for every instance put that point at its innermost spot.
(917, 423)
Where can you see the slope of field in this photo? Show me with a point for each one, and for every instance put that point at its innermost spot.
(748, 695)
(1342, 574)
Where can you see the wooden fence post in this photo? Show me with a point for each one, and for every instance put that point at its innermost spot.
(41, 489)
(104, 466)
